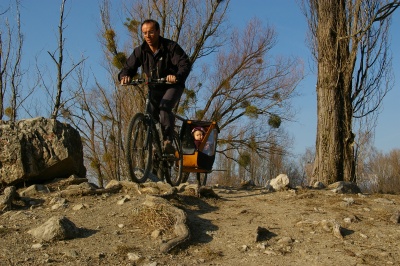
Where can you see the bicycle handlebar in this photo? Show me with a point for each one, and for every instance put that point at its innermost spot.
(149, 81)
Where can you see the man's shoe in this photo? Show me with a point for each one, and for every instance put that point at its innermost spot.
(168, 148)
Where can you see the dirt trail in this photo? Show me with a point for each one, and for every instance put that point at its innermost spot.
(241, 227)
(295, 229)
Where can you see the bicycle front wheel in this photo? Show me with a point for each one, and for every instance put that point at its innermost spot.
(139, 149)
(173, 165)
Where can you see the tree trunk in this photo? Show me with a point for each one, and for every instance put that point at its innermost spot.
(334, 159)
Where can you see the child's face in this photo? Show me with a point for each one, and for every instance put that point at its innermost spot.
(198, 135)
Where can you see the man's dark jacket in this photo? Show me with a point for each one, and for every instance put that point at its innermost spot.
(169, 60)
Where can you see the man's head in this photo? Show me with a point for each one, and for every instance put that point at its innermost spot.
(151, 32)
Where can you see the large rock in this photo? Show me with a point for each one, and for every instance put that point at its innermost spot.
(342, 187)
(56, 228)
(280, 182)
(37, 150)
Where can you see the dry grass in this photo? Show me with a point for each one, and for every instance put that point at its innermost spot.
(156, 218)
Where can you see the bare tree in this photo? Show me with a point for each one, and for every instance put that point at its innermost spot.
(16, 70)
(383, 172)
(85, 119)
(306, 161)
(363, 143)
(4, 57)
(10, 66)
(59, 62)
(349, 41)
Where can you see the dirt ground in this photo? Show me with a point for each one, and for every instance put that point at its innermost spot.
(239, 227)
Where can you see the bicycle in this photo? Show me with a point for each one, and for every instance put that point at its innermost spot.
(144, 152)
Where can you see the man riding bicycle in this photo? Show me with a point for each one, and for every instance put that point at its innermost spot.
(159, 58)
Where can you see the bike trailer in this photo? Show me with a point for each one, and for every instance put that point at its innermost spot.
(198, 159)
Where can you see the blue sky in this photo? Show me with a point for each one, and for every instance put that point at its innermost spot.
(39, 26)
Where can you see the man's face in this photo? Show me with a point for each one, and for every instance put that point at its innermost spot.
(150, 34)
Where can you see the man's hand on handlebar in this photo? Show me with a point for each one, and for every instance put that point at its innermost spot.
(125, 80)
(171, 79)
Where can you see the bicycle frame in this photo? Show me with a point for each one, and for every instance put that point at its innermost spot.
(148, 156)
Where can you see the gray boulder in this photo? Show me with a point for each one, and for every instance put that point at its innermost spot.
(56, 228)
(343, 187)
(37, 150)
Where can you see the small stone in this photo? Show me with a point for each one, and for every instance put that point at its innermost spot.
(349, 200)
(270, 253)
(134, 257)
(37, 246)
(326, 225)
(71, 253)
(84, 185)
(34, 202)
(337, 231)
(351, 219)
(347, 220)
(123, 200)
(150, 190)
(261, 245)
(58, 206)
(80, 206)
(114, 184)
(34, 190)
(318, 185)
(285, 240)
(58, 200)
(155, 234)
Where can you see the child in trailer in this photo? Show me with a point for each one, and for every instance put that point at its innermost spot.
(198, 135)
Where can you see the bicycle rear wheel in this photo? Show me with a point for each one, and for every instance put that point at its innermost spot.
(173, 165)
(139, 149)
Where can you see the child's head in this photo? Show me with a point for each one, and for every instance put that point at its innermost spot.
(198, 133)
